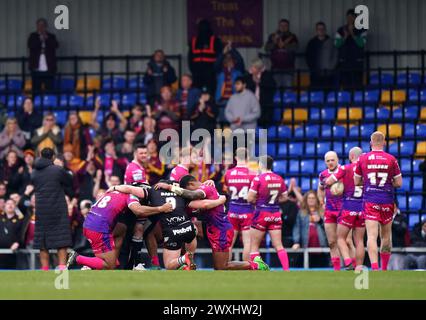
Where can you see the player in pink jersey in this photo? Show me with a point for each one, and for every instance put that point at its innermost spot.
(350, 216)
(267, 190)
(379, 174)
(333, 205)
(240, 213)
(182, 169)
(99, 226)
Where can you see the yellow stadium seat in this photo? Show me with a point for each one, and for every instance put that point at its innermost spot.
(299, 115)
(395, 130)
(421, 149)
(398, 96)
(354, 114)
(28, 86)
(92, 84)
(85, 116)
(423, 113)
(305, 80)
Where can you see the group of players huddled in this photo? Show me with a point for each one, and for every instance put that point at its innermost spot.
(176, 211)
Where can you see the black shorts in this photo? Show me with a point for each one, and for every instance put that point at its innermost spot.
(128, 218)
(175, 236)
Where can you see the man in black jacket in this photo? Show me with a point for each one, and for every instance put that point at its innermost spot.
(52, 225)
(42, 46)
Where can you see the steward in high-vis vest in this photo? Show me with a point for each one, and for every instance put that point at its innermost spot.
(203, 52)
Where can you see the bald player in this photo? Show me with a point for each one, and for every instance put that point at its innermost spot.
(379, 174)
(350, 217)
(333, 205)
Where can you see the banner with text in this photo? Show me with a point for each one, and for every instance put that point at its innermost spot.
(240, 21)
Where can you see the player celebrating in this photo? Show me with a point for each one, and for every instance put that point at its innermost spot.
(350, 217)
(99, 225)
(333, 205)
(266, 191)
(240, 213)
(379, 173)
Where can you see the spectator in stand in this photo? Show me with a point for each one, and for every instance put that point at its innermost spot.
(187, 96)
(113, 124)
(77, 135)
(422, 168)
(72, 162)
(86, 175)
(11, 138)
(159, 73)
(399, 240)
(204, 115)
(125, 149)
(148, 132)
(3, 115)
(3, 192)
(283, 57)
(135, 120)
(418, 239)
(283, 28)
(321, 58)
(350, 42)
(155, 167)
(203, 52)
(167, 111)
(242, 109)
(10, 231)
(42, 47)
(262, 84)
(27, 168)
(289, 210)
(47, 136)
(229, 66)
(112, 164)
(29, 119)
(11, 172)
(308, 232)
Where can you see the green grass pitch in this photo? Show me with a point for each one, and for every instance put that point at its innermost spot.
(212, 285)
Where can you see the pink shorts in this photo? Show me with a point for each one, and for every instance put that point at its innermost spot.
(330, 216)
(100, 242)
(240, 221)
(267, 220)
(383, 213)
(351, 219)
(220, 240)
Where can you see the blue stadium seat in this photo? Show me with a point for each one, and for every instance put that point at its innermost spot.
(272, 132)
(326, 131)
(402, 202)
(46, 101)
(383, 113)
(294, 166)
(342, 97)
(284, 132)
(413, 220)
(339, 131)
(413, 78)
(278, 113)
(406, 184)
(369, 113)
(271, 149)
(296, 149)
(305, 184)
(307, 166)
(74, 101)
(105, 99)
(365, 146)
(366, 130)
(100, 116)
(315, 97)
(128, 99)
(407, 148)
(421, 130)
(299, 131)
(323, 147)
(423, 95)
(12, 85)
(65, 84)
(289, 97)
(320, 165)
(311, 131)
(417, 183)
(310, 148)
(137, 83)
(277, 97)
(114, 83)
(415, 202)
(410, 113)
(282, 149)
(349, 145)
(405, 165)
(337, 146)
(15, 101)
(369, 96)
(142, 98)
(384, 79)
(327, 113)
(416, 165)
(61, 117)
(280, 166)
(408, 130)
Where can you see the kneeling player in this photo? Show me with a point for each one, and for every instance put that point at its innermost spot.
(350, 217)
(99, 225)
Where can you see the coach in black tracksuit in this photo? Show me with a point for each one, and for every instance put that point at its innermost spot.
(52, 225)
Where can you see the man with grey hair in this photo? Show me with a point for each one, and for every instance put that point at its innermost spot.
(379, 174)
(332, 204)
(261, 82)
(350, 216)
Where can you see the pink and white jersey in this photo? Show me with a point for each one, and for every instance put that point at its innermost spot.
(134, 173)
(378, 169)
(352, 195)
(268, 186)
(217, 215)
(332, 202)
(238, 181)
(104, 213)
(178, 172)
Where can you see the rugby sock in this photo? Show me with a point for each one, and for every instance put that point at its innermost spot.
(155, 260)
(336, 263)
(384, 257)
(46, 268)
(94, 263)
(375, 266)
(354, 262)
(253, 266)
(62, 267)
(348, 261)
(137, 245)
(253, 255)
(282, 255)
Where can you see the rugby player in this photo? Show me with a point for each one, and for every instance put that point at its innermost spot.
(99, 225)
(350, 216)
(333, 205)
(240, 213)
(218, 229)
(379, 174)
(267, 190)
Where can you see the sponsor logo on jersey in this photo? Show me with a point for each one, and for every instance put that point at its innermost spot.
(182, 230)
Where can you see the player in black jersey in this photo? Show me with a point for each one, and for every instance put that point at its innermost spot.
(177, 228)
